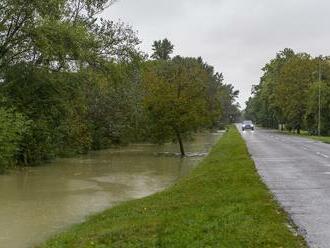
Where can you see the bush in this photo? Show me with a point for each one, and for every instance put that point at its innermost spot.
(12, 127)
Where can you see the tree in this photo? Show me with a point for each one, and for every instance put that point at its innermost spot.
(113, 103)
(49, 52)
(295, 79)
(162, 49)
(263, 107)
(312, 101)
(176, 98)
(230, 109)
(52, 33)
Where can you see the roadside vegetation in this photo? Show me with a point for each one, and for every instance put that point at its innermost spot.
(223, 203)
(324, 139)
(288, 93)
(71, 82)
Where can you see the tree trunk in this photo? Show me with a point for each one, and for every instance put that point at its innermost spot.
(298, 130)
(25, 158)
(298, 127)
(180, 143)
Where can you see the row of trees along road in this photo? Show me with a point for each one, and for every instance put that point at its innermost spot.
(288, 93)
(71, 82)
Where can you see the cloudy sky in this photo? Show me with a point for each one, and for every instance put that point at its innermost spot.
(237, 37)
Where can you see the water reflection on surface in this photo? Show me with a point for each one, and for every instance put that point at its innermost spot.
(38, 202)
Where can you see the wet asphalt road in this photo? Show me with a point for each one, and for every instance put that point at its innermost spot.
(297, 171)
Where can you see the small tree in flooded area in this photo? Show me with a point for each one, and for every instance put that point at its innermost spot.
(176, 98)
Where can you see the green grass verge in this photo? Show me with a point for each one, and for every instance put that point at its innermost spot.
(324, 139)
(223, 203)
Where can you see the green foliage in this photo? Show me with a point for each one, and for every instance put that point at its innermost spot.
(162, 49)
(295, 78)
(223, 203)
(13, 126)
(114, 98)
(54, 56)
(229, 107)
(54, 102)
(51, 33)
(288, 93)
(311, 116)
(176, 98)
(116, 41)
(60, 42)
(83, 84)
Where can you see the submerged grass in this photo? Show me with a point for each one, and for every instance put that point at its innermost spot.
(223, 203)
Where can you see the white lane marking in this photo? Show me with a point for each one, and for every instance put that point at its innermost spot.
(326, 173)
(322, 155)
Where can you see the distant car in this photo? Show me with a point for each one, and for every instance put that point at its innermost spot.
(247, 125)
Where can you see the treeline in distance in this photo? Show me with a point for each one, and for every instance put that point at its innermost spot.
(294, 88)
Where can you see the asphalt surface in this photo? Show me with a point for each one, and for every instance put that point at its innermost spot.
(297, 171)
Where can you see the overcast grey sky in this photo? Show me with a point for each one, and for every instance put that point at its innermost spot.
(237, 37)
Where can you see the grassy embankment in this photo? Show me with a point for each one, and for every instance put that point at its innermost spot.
(223, 203)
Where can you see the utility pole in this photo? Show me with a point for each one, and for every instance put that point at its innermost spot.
(319, 117)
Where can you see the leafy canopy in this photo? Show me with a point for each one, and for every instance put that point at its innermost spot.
(162, 49)
(176, 98)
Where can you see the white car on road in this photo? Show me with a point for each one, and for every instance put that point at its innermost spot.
(247, 125)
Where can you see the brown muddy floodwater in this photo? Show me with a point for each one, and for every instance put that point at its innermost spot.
(40, 201)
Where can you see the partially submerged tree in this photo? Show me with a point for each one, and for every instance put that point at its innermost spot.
(176, 98)
(48, 52)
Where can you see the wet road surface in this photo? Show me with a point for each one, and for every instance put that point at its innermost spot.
(297, 171)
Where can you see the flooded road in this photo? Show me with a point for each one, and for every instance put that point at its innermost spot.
(37, 202)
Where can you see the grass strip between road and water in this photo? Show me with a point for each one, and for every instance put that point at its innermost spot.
(222, 203)
(305, 134)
